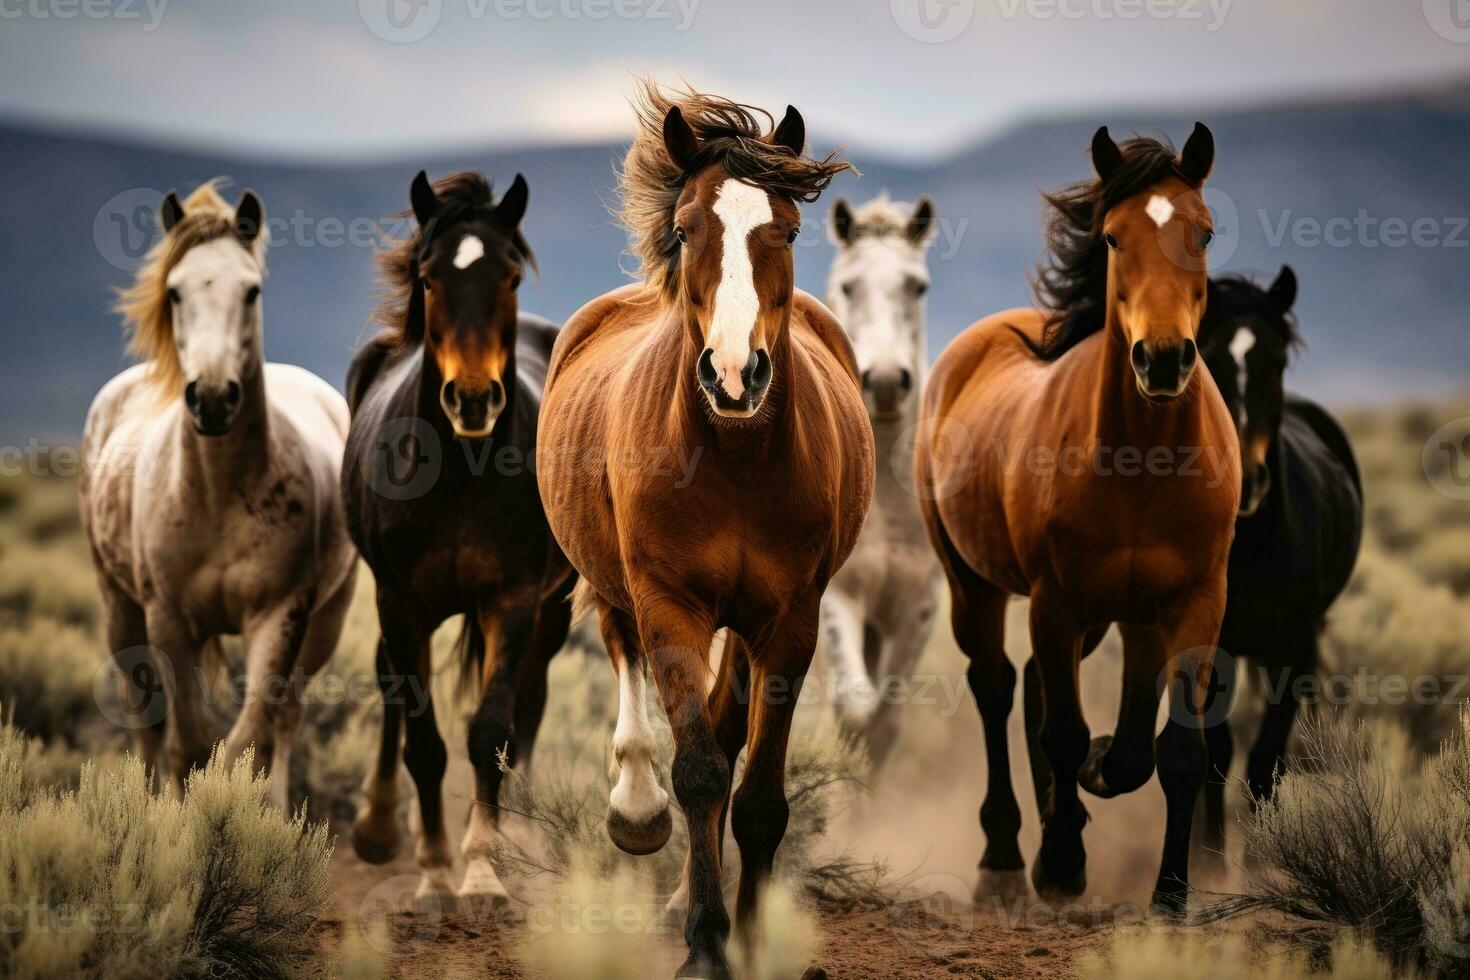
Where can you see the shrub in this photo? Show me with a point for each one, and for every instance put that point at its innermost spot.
(109, 880)
(1164, 954)
(1347, 842)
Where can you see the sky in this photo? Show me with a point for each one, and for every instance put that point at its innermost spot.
(375, 79)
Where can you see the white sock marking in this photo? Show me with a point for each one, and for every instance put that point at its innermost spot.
(1240, 345)
(741, 209)
(1159, 209)
(637, 795)
(470, 250)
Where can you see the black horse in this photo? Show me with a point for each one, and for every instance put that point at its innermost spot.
(1297, 535)
(442, 501)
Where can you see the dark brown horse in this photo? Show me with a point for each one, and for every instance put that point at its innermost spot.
(442, 503)
(716, 359)
(1080, 457)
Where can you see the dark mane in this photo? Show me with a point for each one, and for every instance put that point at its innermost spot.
(1239, 294)
(1071, 285)
(729, 133)
(400, 309)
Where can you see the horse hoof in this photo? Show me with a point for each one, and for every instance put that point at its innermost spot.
(1052, 886)
(704, 968)
(1000, 886)
(482, 885)
(1090, 777)
(640, 837)
(436, 893)
(1172, 905)
(372, 842)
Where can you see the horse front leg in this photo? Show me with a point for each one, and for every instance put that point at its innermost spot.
(188, 734)
(271, 712)
(759, 811)
(843, 621)
(142, 700)
(508, 627)
(676, 643)
(1056, 642)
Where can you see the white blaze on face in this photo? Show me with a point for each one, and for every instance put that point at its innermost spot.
(1240, 345)
(470, 249)
(1159, 209)
(741, 209)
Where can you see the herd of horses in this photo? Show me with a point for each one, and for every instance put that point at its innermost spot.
(1124, 454)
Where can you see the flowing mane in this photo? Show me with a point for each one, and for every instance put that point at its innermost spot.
(146, 311)
(1071, 285)
(729, 133)
(400, 309)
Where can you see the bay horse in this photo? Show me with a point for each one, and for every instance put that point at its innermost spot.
(442, 503)
(1297, 533)
(208, 496)
(879, 610)
(1075, 455)
(713, 356)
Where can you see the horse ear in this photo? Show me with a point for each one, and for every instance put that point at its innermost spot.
(1198, 155)
(922, 223)
(1283, 291)
(171, 212)
(425, 201)
(679, 139)
(841, 222)
(1105, 153)
(792, 131)
(512, 206)
(249, 217)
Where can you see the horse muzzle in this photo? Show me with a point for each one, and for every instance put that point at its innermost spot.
(213, 405)
(1255, 483)
(886, 390)
(1163, 372)
(755, 380)
(472, 408)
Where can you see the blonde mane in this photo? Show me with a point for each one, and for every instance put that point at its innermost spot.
(146, 311)
(881, 218)
(729, 133)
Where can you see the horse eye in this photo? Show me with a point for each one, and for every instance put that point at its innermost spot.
(679, 234)
(849, 290)
(173, 296)
(1112, 242)
(252, 295)
(791, 236)
(1205, 237)
(919, 287)
(515, 281)
(424, 282)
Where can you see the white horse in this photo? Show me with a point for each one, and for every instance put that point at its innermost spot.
(878, 610)
(210, 498)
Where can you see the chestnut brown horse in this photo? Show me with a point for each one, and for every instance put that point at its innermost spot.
(713, 357)
(1079, 457)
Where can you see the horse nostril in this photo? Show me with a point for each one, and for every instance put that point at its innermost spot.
(191, 396)
(1139, 356)
(1187, 357)
(706, 369)
(866, 379)
(232, 393)
(449, 395)
(760, 370)
(905, 381)
(496, 393)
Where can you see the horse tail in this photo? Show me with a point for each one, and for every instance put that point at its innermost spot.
(583, 599)
(469, 651)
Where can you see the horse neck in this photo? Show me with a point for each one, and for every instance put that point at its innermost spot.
(241, 455)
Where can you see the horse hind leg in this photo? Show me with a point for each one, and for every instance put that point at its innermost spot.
(1283, 702)
(375, 831)
(1061, 864)
(638, 819)
(552, 629)
(842, 641)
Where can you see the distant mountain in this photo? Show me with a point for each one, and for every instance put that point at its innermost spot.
(1383, 306)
